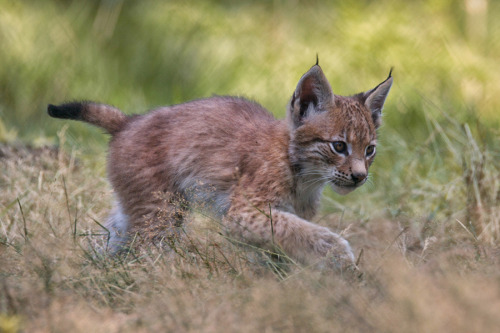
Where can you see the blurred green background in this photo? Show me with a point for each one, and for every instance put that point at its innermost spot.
(138, 55)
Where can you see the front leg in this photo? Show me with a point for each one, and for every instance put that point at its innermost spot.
(300, 239)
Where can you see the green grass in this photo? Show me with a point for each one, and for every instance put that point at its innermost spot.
(427, 224)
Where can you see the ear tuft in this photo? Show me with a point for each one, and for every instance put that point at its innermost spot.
(375, 99)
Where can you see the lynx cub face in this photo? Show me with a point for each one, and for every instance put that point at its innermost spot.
(334, 138)
(252, 163)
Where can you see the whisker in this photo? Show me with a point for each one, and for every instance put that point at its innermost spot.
(319, 180)
(313, 180)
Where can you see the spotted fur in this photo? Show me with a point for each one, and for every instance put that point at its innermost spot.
(250, 167)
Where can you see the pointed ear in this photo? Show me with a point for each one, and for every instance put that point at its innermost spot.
(375, 98)
(313, 95)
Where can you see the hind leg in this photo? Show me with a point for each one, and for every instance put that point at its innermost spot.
(149, 222)
(163, 220)
(118, 226)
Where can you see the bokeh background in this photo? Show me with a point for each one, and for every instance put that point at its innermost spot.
(140, 54)
(137, 55)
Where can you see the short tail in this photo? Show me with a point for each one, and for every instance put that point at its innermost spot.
(102, 115)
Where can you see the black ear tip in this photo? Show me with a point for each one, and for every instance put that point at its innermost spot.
(317, 59)
(390, 72)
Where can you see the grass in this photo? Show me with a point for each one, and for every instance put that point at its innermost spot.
(426, 228)
(419, 274)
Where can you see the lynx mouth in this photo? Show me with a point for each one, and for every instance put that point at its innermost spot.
(344, 189)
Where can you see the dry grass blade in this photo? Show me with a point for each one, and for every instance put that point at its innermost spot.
(207, 281)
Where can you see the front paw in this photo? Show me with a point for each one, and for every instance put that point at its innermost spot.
(334, 250)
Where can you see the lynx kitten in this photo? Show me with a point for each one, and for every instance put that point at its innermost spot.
(265, 175)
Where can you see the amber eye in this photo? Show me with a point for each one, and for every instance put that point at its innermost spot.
(370, 150)
(338, 147)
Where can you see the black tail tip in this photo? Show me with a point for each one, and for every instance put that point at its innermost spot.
(65, 111)
(52, 110)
